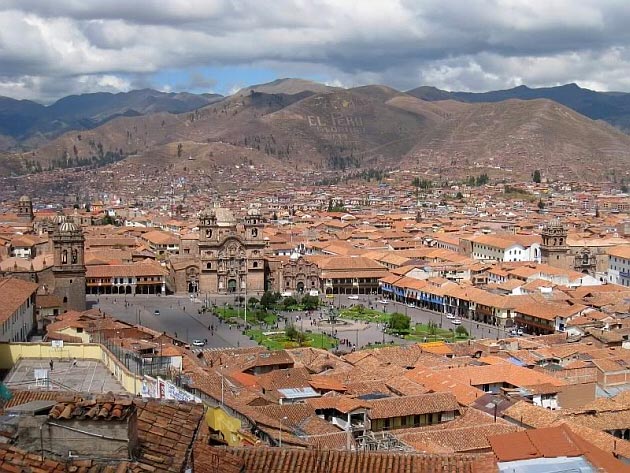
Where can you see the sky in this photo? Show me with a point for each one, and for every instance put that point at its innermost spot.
(53, 48)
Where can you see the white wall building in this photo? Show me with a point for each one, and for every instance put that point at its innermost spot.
(17, 316)
(619, 265)
(505, 248)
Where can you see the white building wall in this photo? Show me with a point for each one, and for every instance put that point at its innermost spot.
(19, 324)
(619, 271)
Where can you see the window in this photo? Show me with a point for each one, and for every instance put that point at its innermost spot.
(208, 265)
(255, 264)
(79, 329)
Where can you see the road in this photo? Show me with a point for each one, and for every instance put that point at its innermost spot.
(178, 315)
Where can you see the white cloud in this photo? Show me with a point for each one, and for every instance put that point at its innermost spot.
(51, 47)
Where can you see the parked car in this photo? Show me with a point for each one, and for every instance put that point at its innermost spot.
(199, 343)
(353, 298)
(383, 301)
(156, 312)
(450, 316)
(456, 322)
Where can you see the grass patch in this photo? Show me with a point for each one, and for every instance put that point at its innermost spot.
(359, 312)
(253, 315)
(279, 341)
(421, 331)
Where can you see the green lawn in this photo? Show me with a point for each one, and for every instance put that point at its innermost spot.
(279, 341)
(359, 312)
(422, 330)
(253, 315)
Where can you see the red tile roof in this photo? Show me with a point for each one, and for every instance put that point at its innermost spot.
(266, 460)
(553, 442)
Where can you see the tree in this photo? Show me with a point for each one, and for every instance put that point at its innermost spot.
(267, 300)
(180, 148)
(252, 301)
(461, 331)
(536, 176)
(399, 322)
(289, 302)
(432, 328)
(541, 204)
(310, 302)
(459, 196)
(291, 332)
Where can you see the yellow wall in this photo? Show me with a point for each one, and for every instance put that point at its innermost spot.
(85, 337)
(10, 353)
(218, 419)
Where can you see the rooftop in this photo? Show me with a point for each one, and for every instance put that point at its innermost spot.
(86, 376)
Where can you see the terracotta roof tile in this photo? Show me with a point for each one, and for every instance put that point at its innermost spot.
(265, 460)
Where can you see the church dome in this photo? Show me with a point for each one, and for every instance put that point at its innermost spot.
(25, 199)
(253, 212)
(68, 227)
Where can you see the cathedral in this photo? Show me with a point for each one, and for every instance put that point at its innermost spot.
(226, 258)
(62, 273)
(587, 256)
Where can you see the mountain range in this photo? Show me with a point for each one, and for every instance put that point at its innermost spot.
(611, 107)
(27, 123)
(293, 123)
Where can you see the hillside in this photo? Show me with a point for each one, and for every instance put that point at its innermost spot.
(29, 124)
(372, 126)
(515, 137)
(612, 107)
(287, 86)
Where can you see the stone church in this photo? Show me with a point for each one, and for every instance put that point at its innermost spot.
(560, 250)
(226, 258)
(61, 273)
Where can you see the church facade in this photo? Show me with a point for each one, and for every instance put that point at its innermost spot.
(227, 258)
(559, 250)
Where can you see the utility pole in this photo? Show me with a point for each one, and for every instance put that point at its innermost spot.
(222, 385)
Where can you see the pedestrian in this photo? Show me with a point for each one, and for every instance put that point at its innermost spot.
(51, 364)
(74, 363)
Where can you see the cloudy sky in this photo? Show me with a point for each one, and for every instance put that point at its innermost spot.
(52, 48)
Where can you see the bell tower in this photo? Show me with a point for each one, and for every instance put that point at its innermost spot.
(554, 250)
(25, 209)
(69, 268)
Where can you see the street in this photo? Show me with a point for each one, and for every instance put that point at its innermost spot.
(178, 315)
